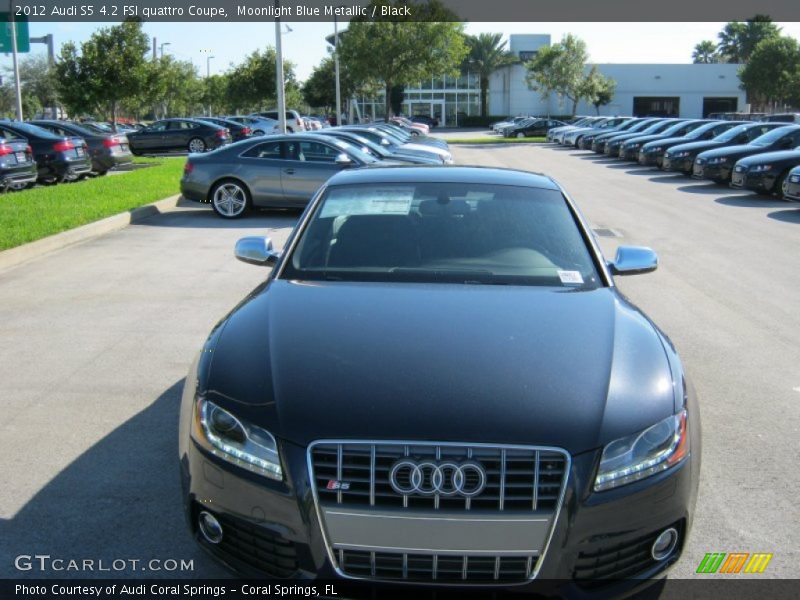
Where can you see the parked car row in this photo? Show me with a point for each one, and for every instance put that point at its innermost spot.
(45, 151)
(286, 170)
(763, 156)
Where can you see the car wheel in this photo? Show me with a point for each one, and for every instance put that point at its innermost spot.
(780, 184)
(101, 173)
(197, 145)
(520, 135)
(230, 199)
(258, 132)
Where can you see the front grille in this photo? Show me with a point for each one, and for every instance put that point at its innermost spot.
(516, 479)
(608, 559)
(432, 567)
(255, 547)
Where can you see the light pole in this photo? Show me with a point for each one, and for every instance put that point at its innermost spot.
(336, 65)
(17, 87)
(161, 46)
(279, 82)
(208, 74)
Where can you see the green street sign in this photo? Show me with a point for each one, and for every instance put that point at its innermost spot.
(23, 39)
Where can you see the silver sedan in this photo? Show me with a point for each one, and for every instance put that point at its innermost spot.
(279, 171)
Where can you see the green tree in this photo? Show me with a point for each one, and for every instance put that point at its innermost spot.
(738, 39)
(560, 68)
(400, 50)
(74, 86)
(110, 68)
(705, 53)
(251, 83)
(319, 90)
(38, 79)
(487, 53)
(772, 75)
(215, 94)
(598, 89)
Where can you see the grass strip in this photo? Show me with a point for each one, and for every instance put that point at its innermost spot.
(29, 215)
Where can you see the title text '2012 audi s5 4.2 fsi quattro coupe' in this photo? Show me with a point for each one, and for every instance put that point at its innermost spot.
(439, 383)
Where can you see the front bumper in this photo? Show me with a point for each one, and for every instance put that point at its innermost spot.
(680, 164)
(600, 541)
(650, 158)
(791, 188)
(720, 173)
(762, 181)
(628, 153)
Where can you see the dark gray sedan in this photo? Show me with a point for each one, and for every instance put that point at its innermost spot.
(440, 367)
(277, 171)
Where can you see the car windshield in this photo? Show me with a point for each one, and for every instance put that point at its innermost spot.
(662, 126)
(444, 233)
(354, 151)
(698, 132)
(732, 133)
(771, 136)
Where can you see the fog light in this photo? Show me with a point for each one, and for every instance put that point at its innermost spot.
(211, 528)
(665, 543)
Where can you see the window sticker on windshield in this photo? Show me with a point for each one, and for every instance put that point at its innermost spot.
(570, 277)
(392, 200)
(370, 201)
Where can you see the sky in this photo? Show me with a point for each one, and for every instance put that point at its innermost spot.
(305, 44)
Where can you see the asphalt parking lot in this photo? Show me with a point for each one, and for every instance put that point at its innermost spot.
(98, 337)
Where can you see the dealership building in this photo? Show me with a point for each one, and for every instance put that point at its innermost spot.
(684, 90)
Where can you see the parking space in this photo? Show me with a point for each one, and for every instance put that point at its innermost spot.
(98, 337)
(96, 342)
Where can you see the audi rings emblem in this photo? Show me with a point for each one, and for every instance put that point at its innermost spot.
(427, 478)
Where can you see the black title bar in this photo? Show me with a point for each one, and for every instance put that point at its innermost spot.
(231, 11)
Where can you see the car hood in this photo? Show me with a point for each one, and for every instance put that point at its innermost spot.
(624, 137)
(739, 150)
(521, 365)
(697, 146)
(768, 157)
(643, 139)
(667, 141)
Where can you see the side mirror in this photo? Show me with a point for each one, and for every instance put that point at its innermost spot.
(632, 260)
(257, 251)
(343, 160)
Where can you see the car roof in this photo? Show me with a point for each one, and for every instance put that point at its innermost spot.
(443, 174)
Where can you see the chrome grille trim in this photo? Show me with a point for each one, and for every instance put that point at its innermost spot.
(534, 561)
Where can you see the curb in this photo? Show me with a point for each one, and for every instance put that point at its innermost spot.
(16, 256)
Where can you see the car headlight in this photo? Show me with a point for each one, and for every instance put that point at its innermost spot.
(717, 161)
(245, 445)
(760, 168)
(643, 454)
(633, 146)
(683, 154)
(656, 149)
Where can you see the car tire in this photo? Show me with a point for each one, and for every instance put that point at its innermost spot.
(520, 135)
(777, 188)
(230, 198)
(196, 145)
(102, 173)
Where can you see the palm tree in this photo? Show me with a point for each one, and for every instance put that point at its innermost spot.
(738, 39)
(487, 53)
(705, 52)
